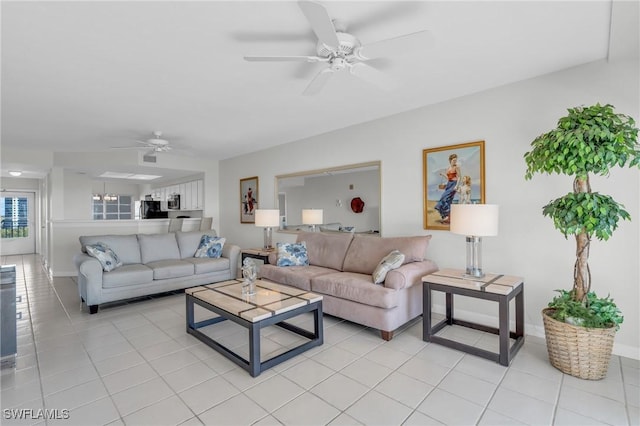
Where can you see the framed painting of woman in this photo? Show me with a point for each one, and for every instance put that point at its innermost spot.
(248, 199)
(452, 174)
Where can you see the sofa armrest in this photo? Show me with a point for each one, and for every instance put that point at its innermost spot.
(409, 274)
(89, 278)
(232, 252)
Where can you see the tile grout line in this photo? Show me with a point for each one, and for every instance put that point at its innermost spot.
(495, 391)
(75, 332)
(624, 392)
(33, 335)
(434, 387)
(556, 403)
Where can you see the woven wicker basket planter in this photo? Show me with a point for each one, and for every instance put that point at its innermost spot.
(578, 351)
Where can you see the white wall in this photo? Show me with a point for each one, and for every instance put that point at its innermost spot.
(77, 196)
(508, 119)
(9, 184)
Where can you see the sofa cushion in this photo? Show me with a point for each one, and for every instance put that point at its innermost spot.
(391, 261)
(163, 269)
(188, 242)
(108, 259)
(154, 247)
(204, 265)
(295, 276)
(328, 250)
(355, 287)
(210, 247)
(292, 254)
(366, 251)
(127, 275)
(125, 246)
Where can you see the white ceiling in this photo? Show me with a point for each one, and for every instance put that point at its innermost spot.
(84, 76)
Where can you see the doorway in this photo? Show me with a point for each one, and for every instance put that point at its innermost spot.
(18, 233)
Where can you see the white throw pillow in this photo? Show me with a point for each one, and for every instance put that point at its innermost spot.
(107, 257)
(391, 261)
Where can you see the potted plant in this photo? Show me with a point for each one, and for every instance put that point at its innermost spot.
(580, 326)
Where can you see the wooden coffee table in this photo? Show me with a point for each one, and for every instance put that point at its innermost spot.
(272, 304)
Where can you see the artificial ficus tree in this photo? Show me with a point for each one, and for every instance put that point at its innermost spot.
(589, 140)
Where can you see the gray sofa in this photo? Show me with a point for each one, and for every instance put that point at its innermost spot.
(152, 263)
(340, 268)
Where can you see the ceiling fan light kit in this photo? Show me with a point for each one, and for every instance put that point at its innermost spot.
(342, 50)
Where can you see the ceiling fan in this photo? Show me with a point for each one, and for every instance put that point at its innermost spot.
(343, 51)
(154, 144)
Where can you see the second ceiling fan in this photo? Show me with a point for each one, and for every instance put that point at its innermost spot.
(343, 51)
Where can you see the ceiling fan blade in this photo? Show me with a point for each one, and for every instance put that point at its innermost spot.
(321, 23)
(268, 37)
(125, 147)
(285, 59)
(373, 76)
(403, 44)
(318, 82)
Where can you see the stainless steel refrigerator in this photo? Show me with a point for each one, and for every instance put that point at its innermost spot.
(152, 210)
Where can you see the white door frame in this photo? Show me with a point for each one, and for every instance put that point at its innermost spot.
(11, 246)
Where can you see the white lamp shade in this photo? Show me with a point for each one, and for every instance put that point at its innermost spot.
(478, 220)
(267, 217)
(312, 216)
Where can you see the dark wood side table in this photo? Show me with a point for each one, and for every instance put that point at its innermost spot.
(257, 253)
(499, 288)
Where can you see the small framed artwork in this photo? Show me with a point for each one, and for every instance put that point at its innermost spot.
(248, 199)
(451, 174)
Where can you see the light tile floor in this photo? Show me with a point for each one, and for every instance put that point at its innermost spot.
(134, 364)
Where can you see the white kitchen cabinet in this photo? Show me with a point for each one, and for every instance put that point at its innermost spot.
(192, 200)
(191, 194)
(200, 194)
(185, 197)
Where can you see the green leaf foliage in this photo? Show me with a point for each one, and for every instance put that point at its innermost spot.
(595, 313)
(588, 212)
(588, 140)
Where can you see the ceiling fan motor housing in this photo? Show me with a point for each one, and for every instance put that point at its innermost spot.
(158, 142)
(348, 44)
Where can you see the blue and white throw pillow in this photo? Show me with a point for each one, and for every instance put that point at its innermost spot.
(107, 257)
(210, 246)
(391, 261)
(292, 254)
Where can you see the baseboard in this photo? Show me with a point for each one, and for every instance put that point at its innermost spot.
(57, 274)
(530, 329)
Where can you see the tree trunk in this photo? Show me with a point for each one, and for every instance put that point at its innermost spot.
(581, 272)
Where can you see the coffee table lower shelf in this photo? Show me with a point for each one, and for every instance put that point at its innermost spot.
(254, 365)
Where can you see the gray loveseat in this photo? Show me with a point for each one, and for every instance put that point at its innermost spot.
(340, 269)
(152, 263)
